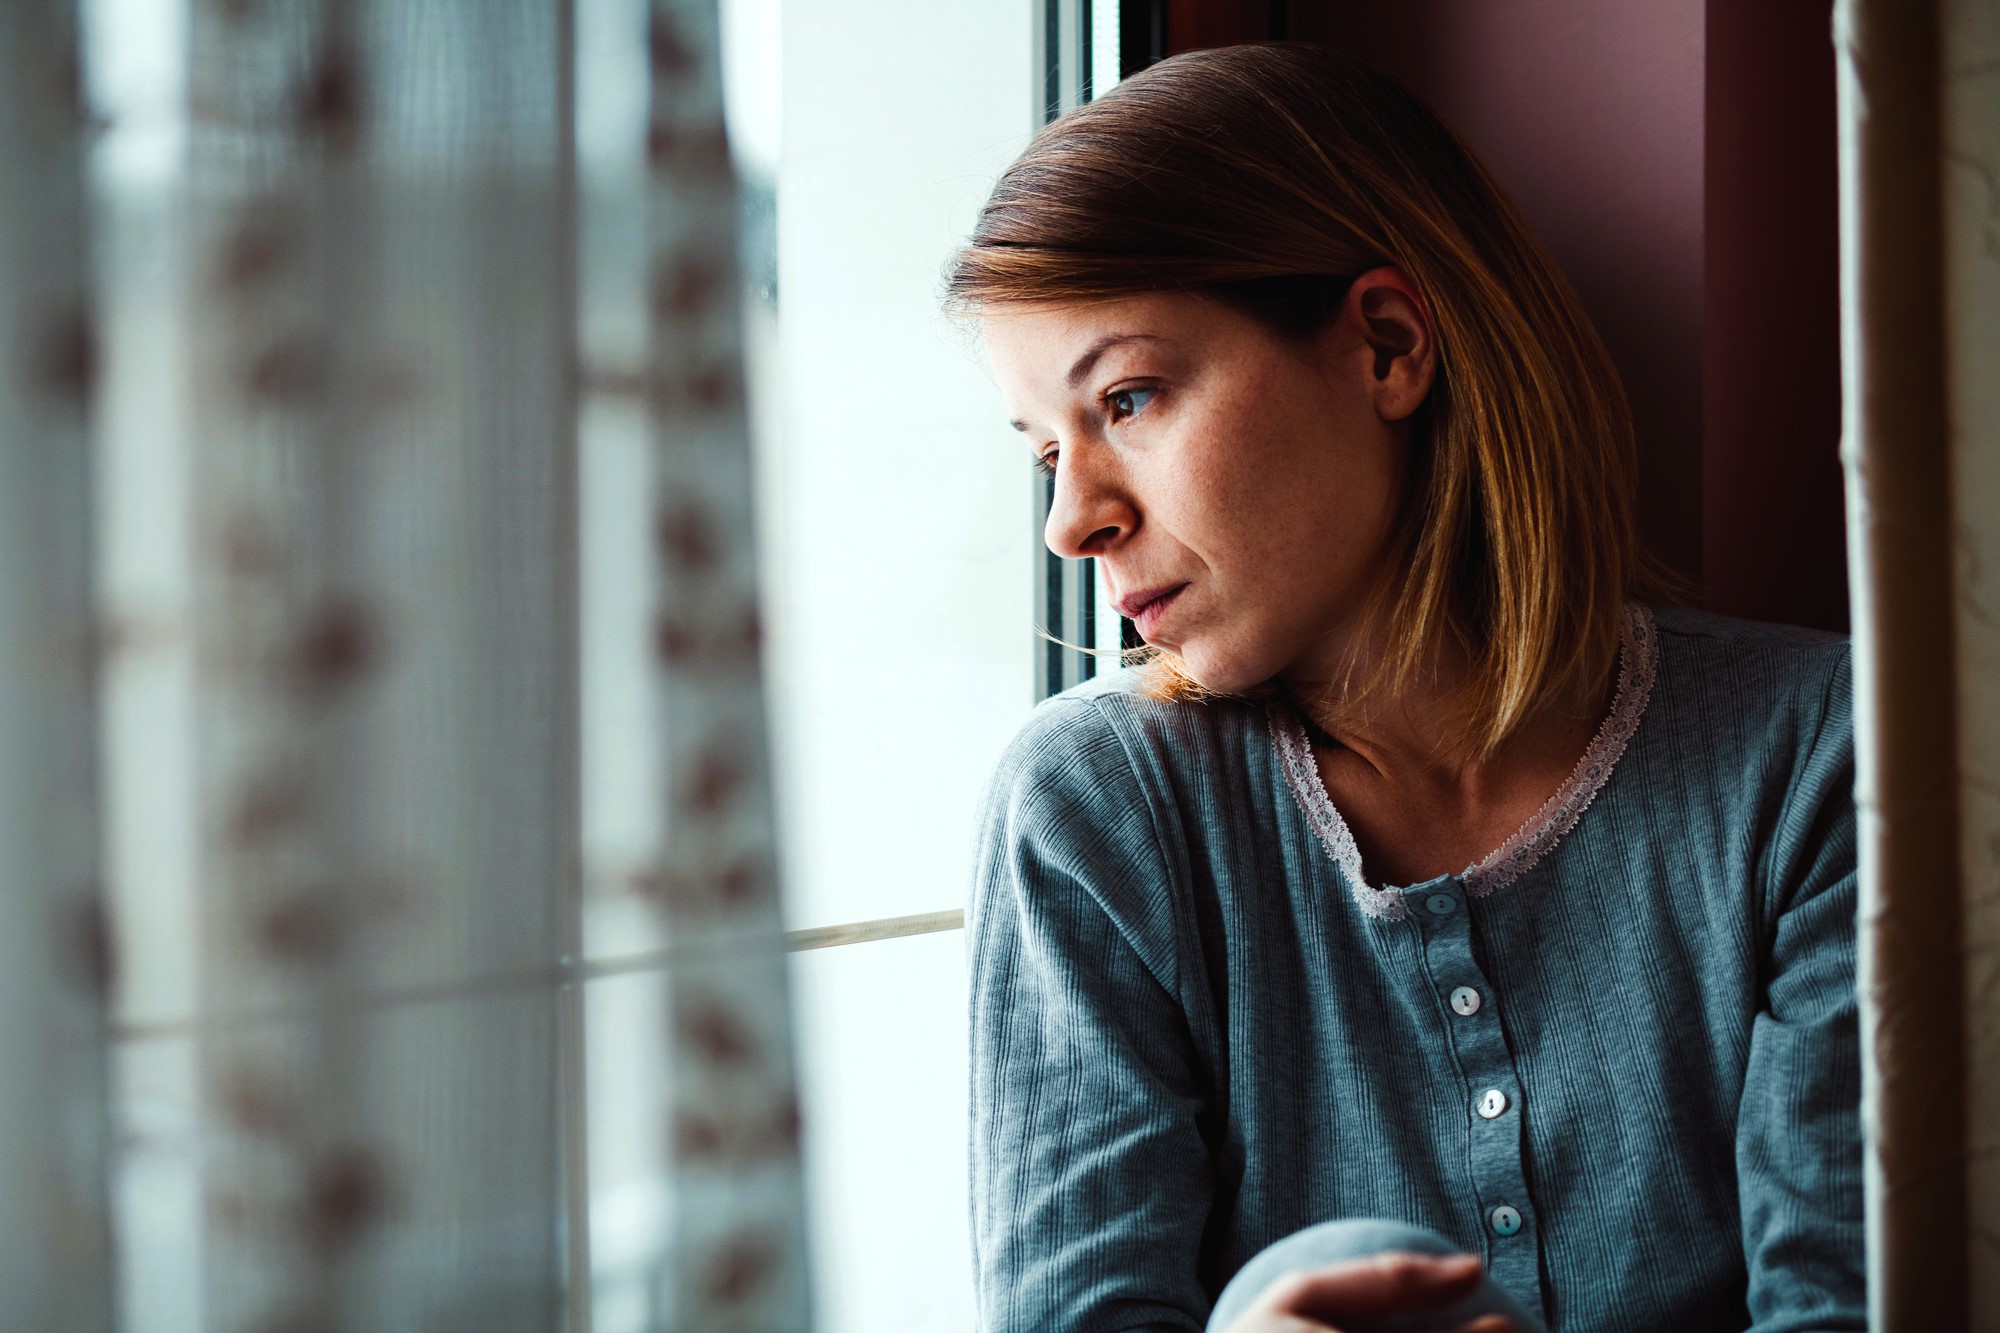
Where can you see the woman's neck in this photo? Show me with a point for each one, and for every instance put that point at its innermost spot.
(1407, 730)
(1421, 801)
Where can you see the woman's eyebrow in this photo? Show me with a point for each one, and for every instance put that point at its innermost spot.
(1099, 348)
(1090, 357)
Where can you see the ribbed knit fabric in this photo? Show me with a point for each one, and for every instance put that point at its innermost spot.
(1190, 1040)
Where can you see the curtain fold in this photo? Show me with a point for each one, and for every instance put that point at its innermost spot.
(738, 1216)
(1969, 145)
(54, 960)
(352, 1068)
(1898, 503)
(1920, 192)
(381, 434)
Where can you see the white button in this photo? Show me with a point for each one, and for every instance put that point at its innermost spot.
(1441, 904)
(1465, 1001)
(1492, 1102)
(1506, 1221)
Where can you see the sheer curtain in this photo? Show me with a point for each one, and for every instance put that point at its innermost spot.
(1919, 87)
(350, 1066)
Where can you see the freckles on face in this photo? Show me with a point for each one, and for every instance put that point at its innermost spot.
(1290, 483)
(1249, 468)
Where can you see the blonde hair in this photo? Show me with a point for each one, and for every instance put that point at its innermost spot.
(1269, 176)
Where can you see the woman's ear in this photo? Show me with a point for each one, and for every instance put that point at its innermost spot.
(1385, 327)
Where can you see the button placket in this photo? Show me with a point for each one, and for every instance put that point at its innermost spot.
(1469, 1009)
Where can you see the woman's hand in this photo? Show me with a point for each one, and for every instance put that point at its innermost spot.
(1329, 1299)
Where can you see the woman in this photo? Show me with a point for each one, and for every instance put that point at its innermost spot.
(1428, 889)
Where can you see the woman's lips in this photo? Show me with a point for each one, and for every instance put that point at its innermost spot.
(1145, 616)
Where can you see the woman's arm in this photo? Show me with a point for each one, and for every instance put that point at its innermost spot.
(1091, 1184)
(1798, 1139)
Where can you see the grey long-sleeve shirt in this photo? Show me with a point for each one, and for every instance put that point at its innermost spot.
(1619, 1059)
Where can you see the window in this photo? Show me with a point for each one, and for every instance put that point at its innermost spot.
(903, 567)
(897, 566)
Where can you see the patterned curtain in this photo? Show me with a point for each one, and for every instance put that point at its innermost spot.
(370, 1070)
(54, 1131)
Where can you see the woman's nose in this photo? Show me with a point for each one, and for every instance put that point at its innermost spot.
(1091, 509)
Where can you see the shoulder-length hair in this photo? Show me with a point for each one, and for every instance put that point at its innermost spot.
(1270, 175)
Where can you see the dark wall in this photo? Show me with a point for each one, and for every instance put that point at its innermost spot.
(1677, 158)
(1773, 536)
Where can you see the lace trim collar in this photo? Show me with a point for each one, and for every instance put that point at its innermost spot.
(1638, 659)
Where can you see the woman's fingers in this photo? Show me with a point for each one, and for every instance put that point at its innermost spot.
(1487, 1323)
(1259, 1320)
(1382, 1284)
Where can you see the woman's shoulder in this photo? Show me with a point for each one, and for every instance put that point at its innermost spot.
(1730, 668)
(1111, 718)
(1758, 716)
(1105, 762)
(1081, 822)
(1733, 634)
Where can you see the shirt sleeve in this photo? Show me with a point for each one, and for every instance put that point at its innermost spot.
(1798, 1141)
(1091, 1183)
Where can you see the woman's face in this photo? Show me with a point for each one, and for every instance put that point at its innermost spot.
(1237, 487)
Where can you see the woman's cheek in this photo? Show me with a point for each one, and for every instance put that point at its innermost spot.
(1226, 666)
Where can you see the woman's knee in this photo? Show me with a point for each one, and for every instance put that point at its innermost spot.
(1353, 1238)
(1347, 1239)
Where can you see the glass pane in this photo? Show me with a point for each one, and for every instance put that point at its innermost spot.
(898, 543)
(898, 553)
(882, 1054)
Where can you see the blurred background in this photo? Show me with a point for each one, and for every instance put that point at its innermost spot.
(1679, 156)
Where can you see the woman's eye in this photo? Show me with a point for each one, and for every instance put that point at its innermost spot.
(1126, 402)
(1046, 463)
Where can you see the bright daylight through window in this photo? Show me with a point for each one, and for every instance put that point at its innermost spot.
(899, 558)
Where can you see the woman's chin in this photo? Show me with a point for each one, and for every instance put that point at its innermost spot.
(1222, 673)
